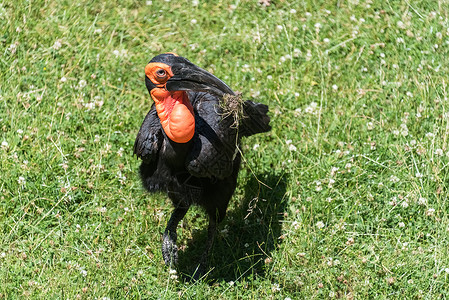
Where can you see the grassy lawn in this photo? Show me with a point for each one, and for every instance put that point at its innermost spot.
(346, 197)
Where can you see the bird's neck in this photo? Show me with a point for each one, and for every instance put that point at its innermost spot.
(176, 114)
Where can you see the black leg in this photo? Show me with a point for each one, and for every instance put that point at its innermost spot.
(169, 248)
(202, 266)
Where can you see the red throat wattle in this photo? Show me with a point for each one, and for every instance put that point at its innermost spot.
(176, 114)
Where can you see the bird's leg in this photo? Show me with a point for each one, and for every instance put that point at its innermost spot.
(169, 248)
(202, 267)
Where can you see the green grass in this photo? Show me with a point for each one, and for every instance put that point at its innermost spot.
(354, 197)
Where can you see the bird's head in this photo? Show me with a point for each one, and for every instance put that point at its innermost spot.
(168, 77)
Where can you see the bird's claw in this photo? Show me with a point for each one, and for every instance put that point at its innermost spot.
(169, 250)
(200, 271)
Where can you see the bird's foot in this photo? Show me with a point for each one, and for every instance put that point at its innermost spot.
(200, 272)
(169, 250)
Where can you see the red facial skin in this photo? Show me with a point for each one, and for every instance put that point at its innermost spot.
(173, 108)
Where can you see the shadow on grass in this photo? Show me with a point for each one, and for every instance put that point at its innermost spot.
(248, 235)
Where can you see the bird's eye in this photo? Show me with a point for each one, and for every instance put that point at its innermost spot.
(161, 73)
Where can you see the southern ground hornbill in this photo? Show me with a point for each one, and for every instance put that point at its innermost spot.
(189, 142)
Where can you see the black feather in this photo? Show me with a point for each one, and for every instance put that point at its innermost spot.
(203, 171)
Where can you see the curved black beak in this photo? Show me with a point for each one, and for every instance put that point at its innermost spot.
(187, 76)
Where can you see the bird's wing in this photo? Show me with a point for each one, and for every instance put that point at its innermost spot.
(255, 119)
(215, 141)
(149, 138)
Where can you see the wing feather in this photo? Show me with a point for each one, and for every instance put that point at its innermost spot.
(149, 138)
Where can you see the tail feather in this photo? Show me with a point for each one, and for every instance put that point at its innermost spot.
(255, 119)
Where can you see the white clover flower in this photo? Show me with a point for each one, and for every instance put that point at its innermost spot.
(90, 105)
(430, 212)
(292, 147)
(275, 287)
(63, 79)
(57, 45)
(320, 225)
(370, 125)
(149, 2)
(296, 52)
(82, 83)
(21, 180)
(439, 152)
(311, 109)
(335, 87)
(429, 135)
(401, 224)
(422, 201)
(193, 21)
(256, 146)
(308, 55)
(394, 179)
(334, 170)
(293, 11)
(295, 224)
(279, 27)
(400, 24)
(12, 48)
(418, 175)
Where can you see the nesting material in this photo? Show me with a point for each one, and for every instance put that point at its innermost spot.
(232, 106)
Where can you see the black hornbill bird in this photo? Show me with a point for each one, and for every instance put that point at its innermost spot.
(189, 145)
